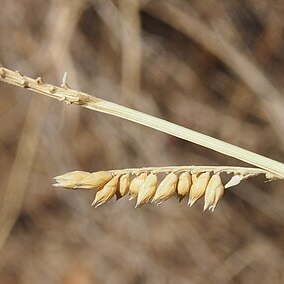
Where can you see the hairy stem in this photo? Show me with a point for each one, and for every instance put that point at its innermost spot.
(70, 96)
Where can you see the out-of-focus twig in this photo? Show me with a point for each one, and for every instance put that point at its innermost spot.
(242, 65)
(19, 175)
(131, 47)
(28, 142)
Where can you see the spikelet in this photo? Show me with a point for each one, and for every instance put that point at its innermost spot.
(107, 192)
(184, 184)
(123, 186)
(70, 180)
(214, 191)
(95, 180)
(198, 187)
(148, 190)
(166, 189)
(136, 185)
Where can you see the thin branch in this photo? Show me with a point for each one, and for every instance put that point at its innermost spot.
(75, 97)
(248, 71)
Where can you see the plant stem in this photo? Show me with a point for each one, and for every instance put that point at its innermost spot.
(70, 96)
(243, 171)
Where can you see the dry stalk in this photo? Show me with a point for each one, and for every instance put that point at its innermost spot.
(131, 57)
(70, 96)
(249, 72)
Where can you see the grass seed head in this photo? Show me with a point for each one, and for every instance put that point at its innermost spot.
(195, 181)
(70, 180)
(136, 184)
(148, 190)
(107, 192)
(199, 184)
(214, 191)
(166, 188)
(184, 184)
(95, 180)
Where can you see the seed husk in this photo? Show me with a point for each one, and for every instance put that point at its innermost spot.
(148, 190)
(95, 180)
(214, 191)
(70, 180)
(166, 189)
(199, 184)
(136, 185)
(75, 175)
(184, 184)
(235, 180)
(123, 186)
(218, 196)
(107, 192)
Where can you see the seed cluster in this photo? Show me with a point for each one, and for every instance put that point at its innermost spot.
(145, 188)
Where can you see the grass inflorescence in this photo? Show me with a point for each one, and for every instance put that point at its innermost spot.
(142, 184)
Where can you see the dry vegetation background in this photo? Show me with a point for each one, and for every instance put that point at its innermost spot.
(214, 66)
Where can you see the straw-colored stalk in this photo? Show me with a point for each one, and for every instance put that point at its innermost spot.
(69, 96)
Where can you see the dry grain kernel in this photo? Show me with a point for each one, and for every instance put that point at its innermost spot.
(123, 186)
(166, 189)
(184, 184)
(148, 190)
(199, 184)
(136, 185)
(214, 191)
(107, 192)
(95, 180)
(71, 179)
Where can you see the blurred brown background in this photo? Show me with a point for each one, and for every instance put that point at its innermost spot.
(213, 66)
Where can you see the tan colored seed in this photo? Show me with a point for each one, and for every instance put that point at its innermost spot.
(95, 180)
(107, 192)
(70, 180)
(136, 185)
(123, 186)
(184, 184)
(148, 190)
(75, 175)
(214, 192)
(218, 196)
(166, 189)
(199, 184)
